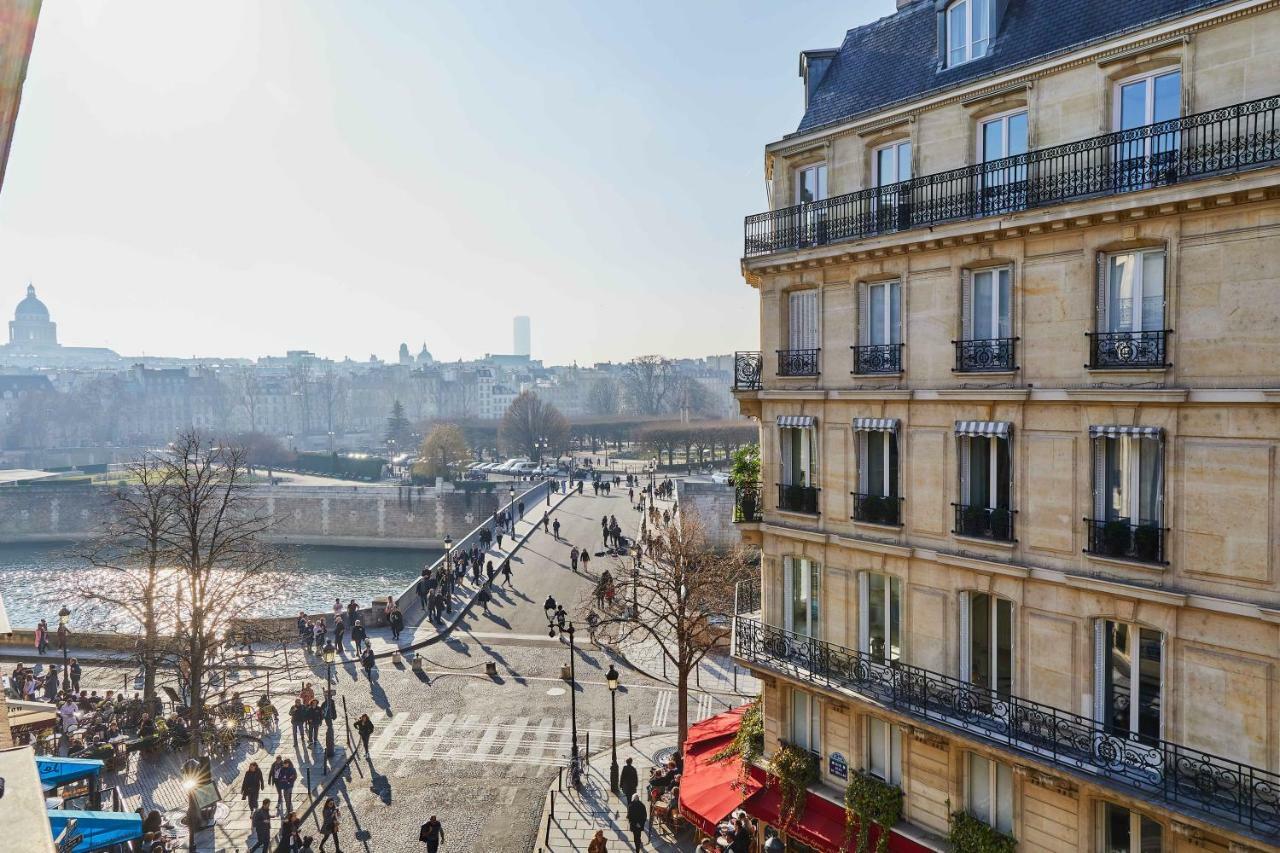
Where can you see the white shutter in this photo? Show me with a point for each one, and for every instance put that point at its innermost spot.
(1160, 485)
(966, 305)
(1099, 479)
(1099, 670)
(811, 457)
(788, 581)
(965, 663)
(1100, 278)
(804, 319)
(864, 314)
(815, 600)
(864, 628)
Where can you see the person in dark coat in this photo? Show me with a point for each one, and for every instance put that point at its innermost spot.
(637, 815)
(364, 726)
(628, 781)
(252, 786)
(358, 634)
(339, 628)
(262, 827)
(397, 623)
(431, 834)
(367, 660)
(285, 779)
(329, 824)
(484, 597)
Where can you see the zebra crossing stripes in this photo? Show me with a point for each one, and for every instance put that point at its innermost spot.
(515, 738)
(427, 750)
(388, 731)
(410, 736)
(662, 708)
(465, 745)
(666, 711)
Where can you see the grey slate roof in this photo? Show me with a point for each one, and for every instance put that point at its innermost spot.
(896, 58)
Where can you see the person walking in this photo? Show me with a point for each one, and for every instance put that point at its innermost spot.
(585, 559)
(352, 610)
(484, 597)
(364, 727)
(285, 779)
(597, 843)
(358, 635)
(431, 834)
(628, 781)
(520, 506)
(368, 661)
(422, 587)
(397, 623)
(637, 815)
(298, 720)
(252, 786)
(290, 833)
(555, 529)
(339, 628)
(273, 778)
(42, 637)
(329, 824)
(261, 826)
(546, 522)
(573, 558)
(506, 574)
(75, 676)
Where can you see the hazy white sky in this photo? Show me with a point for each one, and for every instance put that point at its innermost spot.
(250, 176)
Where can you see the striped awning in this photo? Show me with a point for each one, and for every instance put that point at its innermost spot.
(875, 424)
(800, 421)
(1116, 430)
(998, 429)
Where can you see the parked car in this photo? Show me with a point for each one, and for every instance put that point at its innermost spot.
(475, 475)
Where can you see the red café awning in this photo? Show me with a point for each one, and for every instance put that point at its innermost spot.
(710, 790)
(822, 824)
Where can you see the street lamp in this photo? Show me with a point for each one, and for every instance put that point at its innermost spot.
(555, 624)
(64, 615)
(511, 509)
(611, 679)
(329, 655)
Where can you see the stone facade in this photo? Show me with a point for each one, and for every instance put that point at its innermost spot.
(1203, 594)
(713, 503)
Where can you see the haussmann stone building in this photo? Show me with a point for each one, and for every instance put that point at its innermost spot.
(1019, 400)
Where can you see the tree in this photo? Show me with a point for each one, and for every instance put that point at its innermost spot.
(647, 381)
(529, 424)
(399, 430)
(746, 465)
(263, 451)
(680, 600)
(444, 451)
(603, 398)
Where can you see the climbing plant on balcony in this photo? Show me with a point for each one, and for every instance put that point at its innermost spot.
(970, 835)
(748, 743)
(869, 800)
(793, 769)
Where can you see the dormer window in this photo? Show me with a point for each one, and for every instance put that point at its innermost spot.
(968, 30)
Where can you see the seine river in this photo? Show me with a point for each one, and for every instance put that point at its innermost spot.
(35, 578)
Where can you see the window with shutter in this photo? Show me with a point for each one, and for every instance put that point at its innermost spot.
(804, 319)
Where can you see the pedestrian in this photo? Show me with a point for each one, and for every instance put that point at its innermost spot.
(364, 726)
(339, 628)
(358, 634)
(585, 559)
(352, 610)
(484, 597)
(75, 675)
(397, 623)
(636, 817)
(290, 828)
(42, 637)
(285, 780)
(314, 717)
(520, 506)
(252, 786)
(422, 587)
(329, 824)
(597, 843)
(555, 529)
(367, 660)
(546, 522)
(273, 776)
(262, 827)
(337, 607)
(298, 720)
(431, 834)
(499, 540)
(628, 781)
(573, 558)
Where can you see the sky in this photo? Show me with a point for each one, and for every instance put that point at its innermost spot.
(243, 178)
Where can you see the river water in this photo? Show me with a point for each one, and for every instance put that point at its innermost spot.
(35, 579)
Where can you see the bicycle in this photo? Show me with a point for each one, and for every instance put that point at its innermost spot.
(575, 771)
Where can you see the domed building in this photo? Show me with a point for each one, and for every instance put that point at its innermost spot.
(31, 327)
(33, 341)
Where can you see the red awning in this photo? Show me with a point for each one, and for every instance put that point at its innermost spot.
(823, 823)
(710, 790)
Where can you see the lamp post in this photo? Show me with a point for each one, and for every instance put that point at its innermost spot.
(328, 698)
(511, 507)
(560, 624)
(611, 679)
(64, 615)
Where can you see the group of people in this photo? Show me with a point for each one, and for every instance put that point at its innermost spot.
(611, 533)
(307, 713)
(35, 683)
(312, 632)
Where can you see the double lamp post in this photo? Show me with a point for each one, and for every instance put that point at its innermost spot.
(558, 623)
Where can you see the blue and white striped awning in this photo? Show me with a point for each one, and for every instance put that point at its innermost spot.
(1116, 430)
(997, 429)
(875, 424)
(797, 421)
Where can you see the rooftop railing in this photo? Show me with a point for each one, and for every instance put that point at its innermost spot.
(1216, 142)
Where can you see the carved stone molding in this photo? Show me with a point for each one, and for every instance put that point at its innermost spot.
(1048, 781)
(1194, 835)
(927, 737)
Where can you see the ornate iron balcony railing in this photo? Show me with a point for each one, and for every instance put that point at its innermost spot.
(1121, 539)
(995, 354)
(984, 522)
(1184, 779)
(746, 597)
(798, 499)
(747, 502)
(877, 358)
(1216, 142)
(798, 362)
(877, 509)
(747, 369)
(1121, 350)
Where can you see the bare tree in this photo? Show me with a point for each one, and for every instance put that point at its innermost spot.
(648, 383)
(604, 399)
(679, 600)
(529, 423)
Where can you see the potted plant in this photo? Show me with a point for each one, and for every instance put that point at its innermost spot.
(1115, 537)
(1146, 543)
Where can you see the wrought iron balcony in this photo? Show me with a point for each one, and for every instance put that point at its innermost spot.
(1121, 539)
(877, 358)
(747, 368)
(993, 355)
(1127, 350)
(877, 509)
(983, 522)
(746, 597)
(747, 502)
(1217, 142)
(798, 362)
(1183, 779)
(798, 499)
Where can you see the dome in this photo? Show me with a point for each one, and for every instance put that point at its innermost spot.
(31, 308)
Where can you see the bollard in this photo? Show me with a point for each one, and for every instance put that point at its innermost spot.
(490, 668)
(630, 739)
(735, 678)
(560, 779)
(587, 758)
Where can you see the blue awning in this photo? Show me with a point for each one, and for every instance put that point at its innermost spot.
(56, 771)
(95, 830)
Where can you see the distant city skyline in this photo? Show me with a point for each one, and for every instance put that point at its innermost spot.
(249, 181)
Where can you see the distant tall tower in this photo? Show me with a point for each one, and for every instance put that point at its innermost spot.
(521, 336)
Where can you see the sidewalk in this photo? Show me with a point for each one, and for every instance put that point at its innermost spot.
(577, 816)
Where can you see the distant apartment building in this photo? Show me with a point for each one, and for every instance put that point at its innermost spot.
(1019, 395)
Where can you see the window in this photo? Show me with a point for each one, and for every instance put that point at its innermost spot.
(989, 792)
(985, 508)
(878, 471)
(802, 590)
(1004, 136)
(1148, 99)
(1128, 678)
(880, 605)
(806, 721)
(803, 307)
(1133, 292)
(881, 322)
(988, 305)
(884, 750)
(1125, 831)
(811, 183)
(798, 455)
(1129, 475)
(968, 30)
(986, 641)
(893, 163)
(1003, 185)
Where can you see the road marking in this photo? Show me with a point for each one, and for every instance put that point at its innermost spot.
(486, 740)
(388, 732)
(662, 709)
(516, 738)
(471, 721)
(428, 749)
(406, 747)
(539, 742)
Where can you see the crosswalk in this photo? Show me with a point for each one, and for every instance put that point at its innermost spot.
(701, 706)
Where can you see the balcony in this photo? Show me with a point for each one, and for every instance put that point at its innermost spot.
(982, 522)
(798, 499)
(990, 356)
(747, 368)
(1120, 539)
(798, 362)
(1218, 142)
(877, 509)
(746, 502)
(1214, 788)
(1127, 350)
(877, 358)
